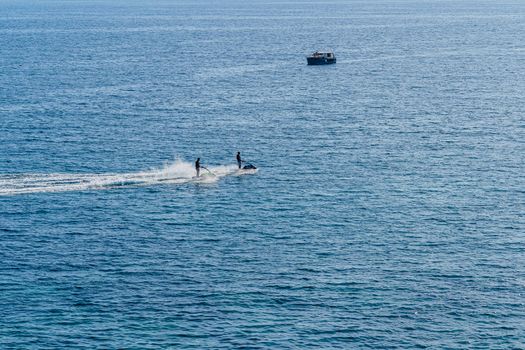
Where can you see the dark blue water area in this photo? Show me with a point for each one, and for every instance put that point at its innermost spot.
(388, 209)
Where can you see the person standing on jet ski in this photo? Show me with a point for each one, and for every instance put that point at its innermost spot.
(198, 166)
(239, 160)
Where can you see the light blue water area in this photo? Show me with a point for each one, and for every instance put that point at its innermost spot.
(388, 209)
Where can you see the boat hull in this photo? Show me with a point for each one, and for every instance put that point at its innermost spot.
(316, 61)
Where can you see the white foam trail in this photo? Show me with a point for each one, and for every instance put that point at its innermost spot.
(179, 172)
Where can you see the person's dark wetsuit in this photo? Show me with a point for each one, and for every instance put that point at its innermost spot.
(239, 160)
(198, 166)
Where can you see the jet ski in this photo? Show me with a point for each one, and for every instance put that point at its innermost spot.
(249, 167)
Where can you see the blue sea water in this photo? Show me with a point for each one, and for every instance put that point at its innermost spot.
(387, 212)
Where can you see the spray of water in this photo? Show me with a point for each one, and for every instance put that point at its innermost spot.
(178, 172)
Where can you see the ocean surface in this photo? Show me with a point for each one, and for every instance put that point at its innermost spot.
(387, 210)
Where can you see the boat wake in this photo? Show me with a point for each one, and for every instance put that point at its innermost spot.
(179, 172)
